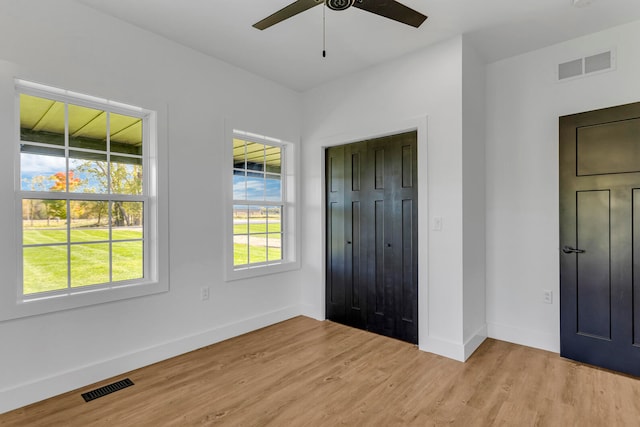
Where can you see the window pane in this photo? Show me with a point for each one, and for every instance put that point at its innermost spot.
(273, 188)
(87, 128)
(89, 264)
(274, 219)
(273, 159)
(126, 134)
(239, 186)
(255, 156)
(255, 186)
(126, 220)
(87, 172)
(126, 175)
(257, 248)
(238, 154)
(258, 220)
(44, 269)
(240, 219)
(43, 221)
(240, 250)
(38, 166)
(41, 120)
(275, 247)
(89, 221)
(127, 261)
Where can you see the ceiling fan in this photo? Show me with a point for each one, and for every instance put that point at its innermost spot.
(387, 8)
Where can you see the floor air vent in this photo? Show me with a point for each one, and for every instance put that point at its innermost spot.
(108, 389)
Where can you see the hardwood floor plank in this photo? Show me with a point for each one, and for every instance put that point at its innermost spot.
(308, 373)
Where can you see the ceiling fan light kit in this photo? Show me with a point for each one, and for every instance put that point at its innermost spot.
(390, 9)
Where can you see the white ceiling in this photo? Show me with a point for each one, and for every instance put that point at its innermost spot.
(290, 52)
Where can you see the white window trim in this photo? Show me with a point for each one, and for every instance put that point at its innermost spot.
(12, 302)
(290, 202)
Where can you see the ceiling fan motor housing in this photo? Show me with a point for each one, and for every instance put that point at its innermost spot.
(339, 4)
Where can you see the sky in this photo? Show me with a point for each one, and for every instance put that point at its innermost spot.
(32, 165)
(257, 188)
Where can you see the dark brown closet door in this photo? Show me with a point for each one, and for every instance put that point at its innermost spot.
(372, 271)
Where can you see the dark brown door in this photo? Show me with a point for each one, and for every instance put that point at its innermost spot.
(372, 211)
(600, 238)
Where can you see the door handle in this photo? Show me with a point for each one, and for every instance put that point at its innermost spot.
(570, 250)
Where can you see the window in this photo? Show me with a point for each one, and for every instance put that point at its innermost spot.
(86, 190)
(263, 215)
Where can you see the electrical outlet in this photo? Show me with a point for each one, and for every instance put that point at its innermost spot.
(204, 293)
(547, 296)
(437, 223)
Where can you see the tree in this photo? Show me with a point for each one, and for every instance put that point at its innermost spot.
(125, 178)
(58, 208)
(31, 207)
(89, 209)
(60, 181)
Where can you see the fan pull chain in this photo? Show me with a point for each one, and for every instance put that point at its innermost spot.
(324, 30)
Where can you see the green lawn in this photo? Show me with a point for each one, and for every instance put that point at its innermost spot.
(257, 253)
(45, 267)
(243, 253)
(47, 236)
(273, 227)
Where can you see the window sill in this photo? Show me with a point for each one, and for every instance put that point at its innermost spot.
(32, 306)
(259, 271)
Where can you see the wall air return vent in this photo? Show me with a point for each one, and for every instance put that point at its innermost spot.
(566, 70)
(600, 62)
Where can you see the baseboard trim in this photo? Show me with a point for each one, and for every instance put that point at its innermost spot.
(477, 338)
(312, 311)
(44, 388)
(449, 349)
(528, 338)
(455, 350)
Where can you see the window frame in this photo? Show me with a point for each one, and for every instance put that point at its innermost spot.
(151, 283)
(290, 259)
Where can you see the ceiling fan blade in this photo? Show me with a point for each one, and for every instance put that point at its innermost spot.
(393, 10)
(286, 13)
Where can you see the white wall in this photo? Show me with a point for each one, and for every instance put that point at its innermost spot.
(67, 45)
(523, 106)
(473, 198)
(387, 99)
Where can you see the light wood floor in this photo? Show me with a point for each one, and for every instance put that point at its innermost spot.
(308, 373)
